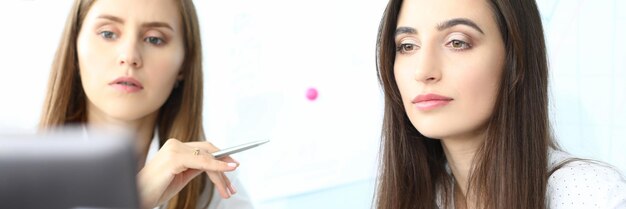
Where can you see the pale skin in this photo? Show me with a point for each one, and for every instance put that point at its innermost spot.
(451, 48)
(117, 40)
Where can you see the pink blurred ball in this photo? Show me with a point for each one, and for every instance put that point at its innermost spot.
(311, 94)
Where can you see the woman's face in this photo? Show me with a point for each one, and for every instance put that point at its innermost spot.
(130, 54)
(449, 58)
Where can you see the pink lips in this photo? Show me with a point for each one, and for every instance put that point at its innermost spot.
(127, 84)
(430, 101)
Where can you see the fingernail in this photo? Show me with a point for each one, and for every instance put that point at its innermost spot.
(233, 188)
(232, 164)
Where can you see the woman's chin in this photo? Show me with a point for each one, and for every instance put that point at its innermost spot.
(433, 134)
(432, 129)
(126, 115)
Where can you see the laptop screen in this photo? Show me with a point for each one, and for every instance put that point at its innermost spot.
(71, 168)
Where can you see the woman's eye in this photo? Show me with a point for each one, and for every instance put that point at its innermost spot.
(459, 45)
(108, 35)
(155, 40)
(406, 48)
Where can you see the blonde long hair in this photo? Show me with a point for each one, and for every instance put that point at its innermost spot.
(181, 115)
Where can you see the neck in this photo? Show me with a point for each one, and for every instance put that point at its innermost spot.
(143, 128)
(460, 152)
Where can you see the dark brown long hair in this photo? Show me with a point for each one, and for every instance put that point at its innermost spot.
(181, 115)
(510, 169)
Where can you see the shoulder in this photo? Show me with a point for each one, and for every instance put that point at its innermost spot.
(586, 184)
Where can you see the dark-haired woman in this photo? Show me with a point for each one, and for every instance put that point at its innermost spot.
(466, 113)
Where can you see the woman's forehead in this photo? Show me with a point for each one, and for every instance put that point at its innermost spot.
(428, 14)
(138, 11)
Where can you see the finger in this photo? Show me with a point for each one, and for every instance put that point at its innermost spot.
(209, 148)
(189, 175)
(229, 184)
(229, 159)
(204, 145)
(219, 183)
(184, 157)
(206, 162)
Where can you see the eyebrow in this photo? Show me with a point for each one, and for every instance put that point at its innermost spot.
(147, 24)
(459, 21)
(405, 30)
(442, 26)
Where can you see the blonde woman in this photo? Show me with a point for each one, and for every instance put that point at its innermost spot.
(137, 64)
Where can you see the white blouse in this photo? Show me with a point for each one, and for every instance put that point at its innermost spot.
(240, 200)
(582, 184)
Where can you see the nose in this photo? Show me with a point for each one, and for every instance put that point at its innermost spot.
(130, 54)
(428, 67)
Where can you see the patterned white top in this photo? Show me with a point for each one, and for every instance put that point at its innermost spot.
(580, 184)
(583, 184)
